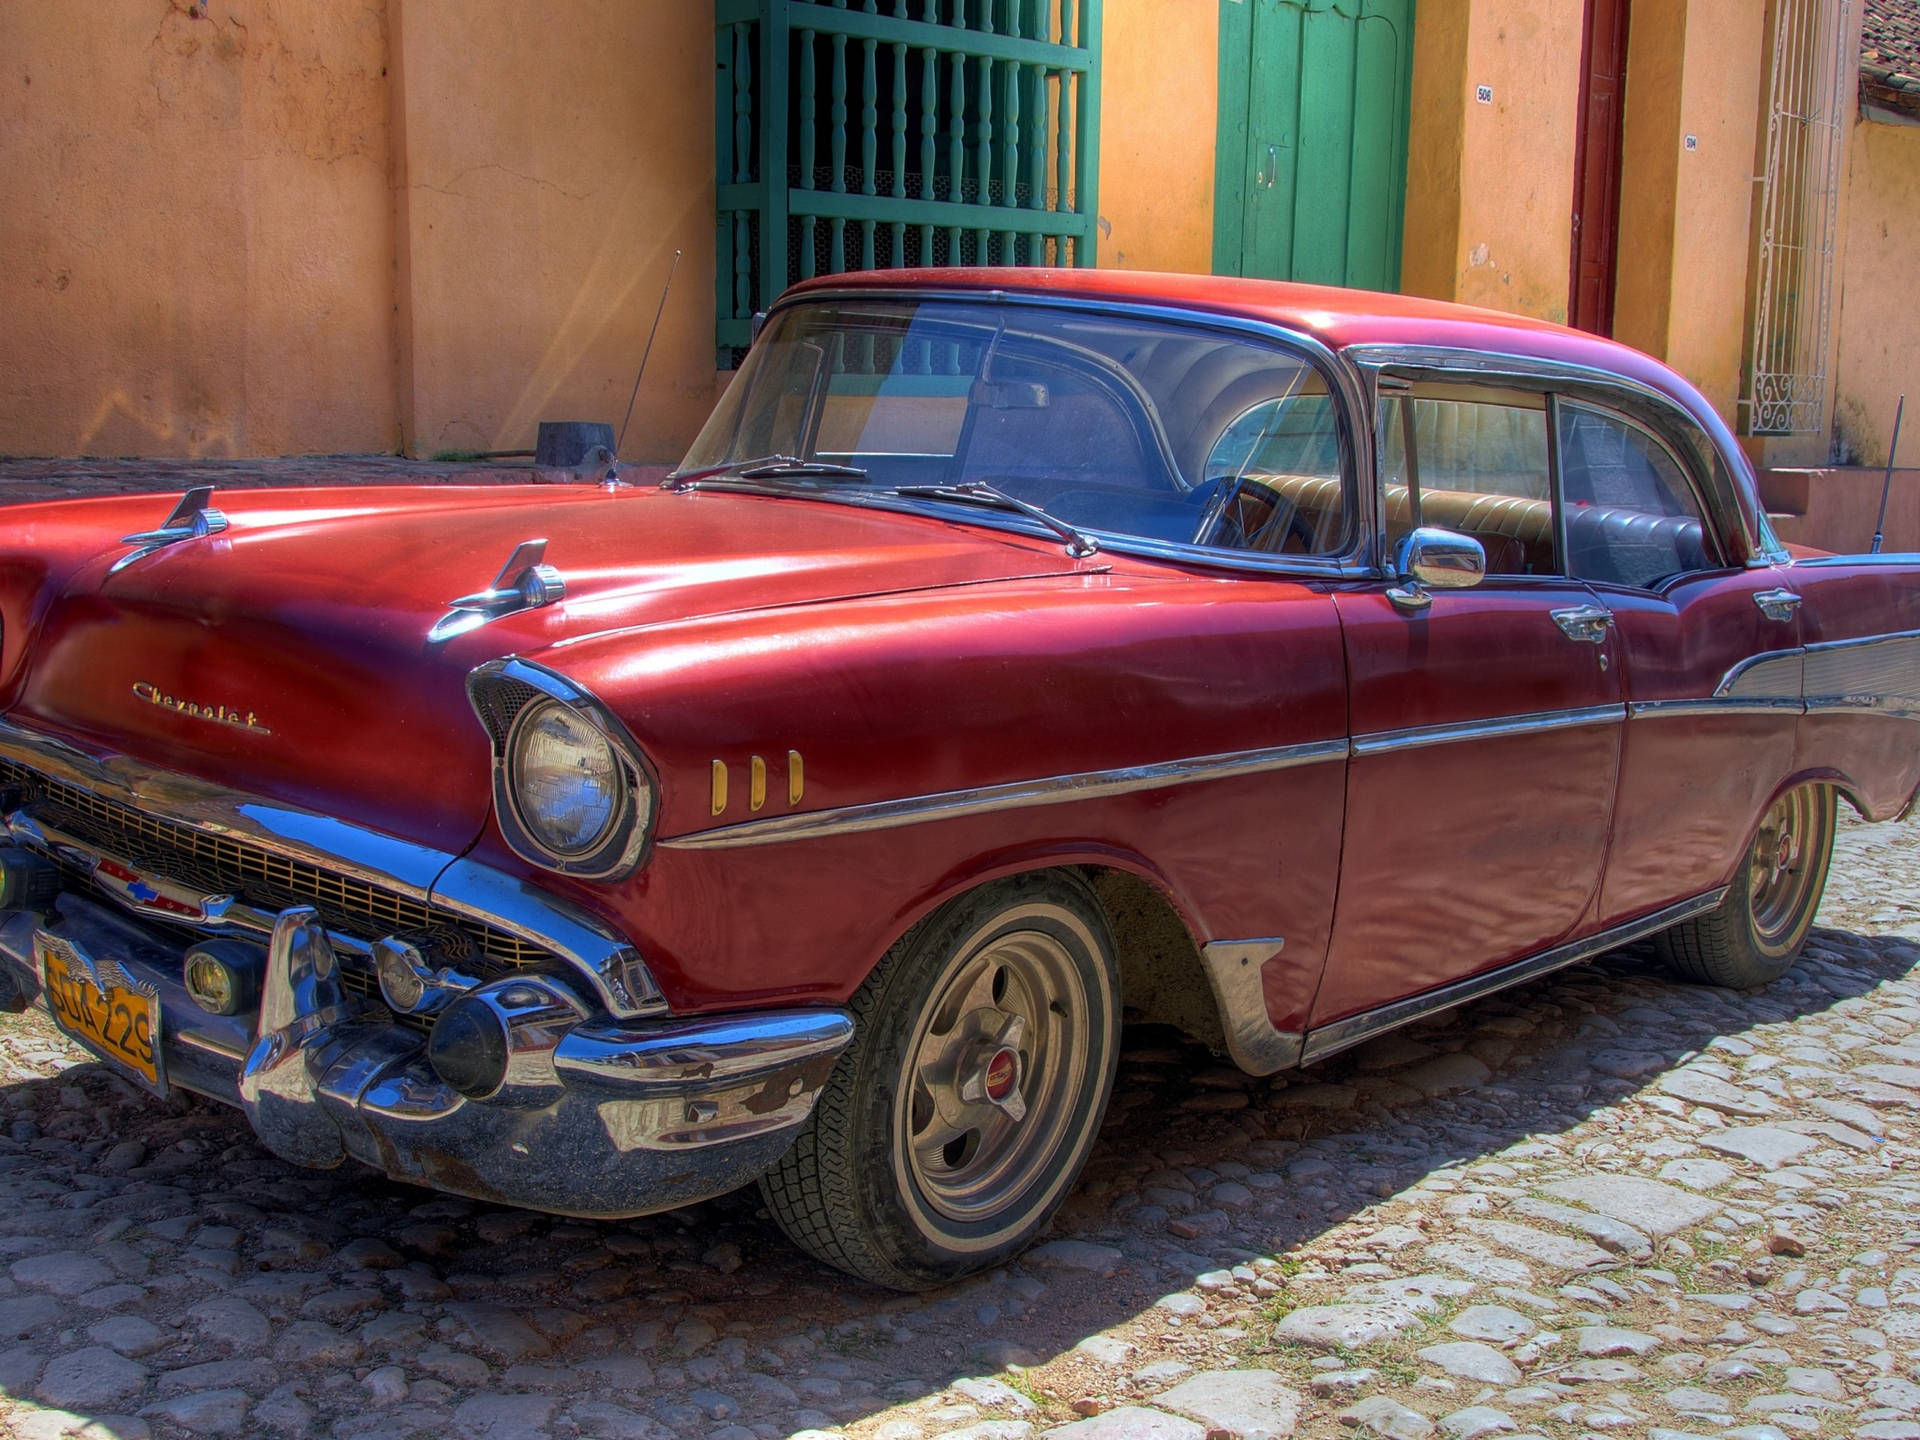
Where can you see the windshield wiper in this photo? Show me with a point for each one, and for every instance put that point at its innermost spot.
(787, 466)
(978, 492)
(766, 467)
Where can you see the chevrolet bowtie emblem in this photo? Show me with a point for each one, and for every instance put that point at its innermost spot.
(218, 714)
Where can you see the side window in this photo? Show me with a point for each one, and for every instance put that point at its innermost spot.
(1632, 518)
(1473, 460)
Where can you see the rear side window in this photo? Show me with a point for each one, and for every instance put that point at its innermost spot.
(1632, 518)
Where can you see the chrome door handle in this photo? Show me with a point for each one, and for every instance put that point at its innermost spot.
(1777, 604)
(1587, 623)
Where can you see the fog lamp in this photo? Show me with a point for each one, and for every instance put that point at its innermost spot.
(403, 974)
(223, 976)
(468, 1047)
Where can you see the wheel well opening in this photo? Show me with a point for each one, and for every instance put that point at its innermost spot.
(1161, 979)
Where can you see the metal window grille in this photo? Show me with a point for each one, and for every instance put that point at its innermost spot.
(874, 134)
(1811, 83)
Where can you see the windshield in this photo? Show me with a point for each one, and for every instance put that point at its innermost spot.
(1109, 423)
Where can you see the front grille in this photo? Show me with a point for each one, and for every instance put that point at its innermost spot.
(259, 877)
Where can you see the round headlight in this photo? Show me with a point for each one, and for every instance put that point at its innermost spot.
(568, 783)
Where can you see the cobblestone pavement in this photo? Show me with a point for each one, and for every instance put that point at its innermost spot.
(1603, 1204)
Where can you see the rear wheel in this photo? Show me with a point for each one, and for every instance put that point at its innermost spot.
(1756, 933)
(961, 1115)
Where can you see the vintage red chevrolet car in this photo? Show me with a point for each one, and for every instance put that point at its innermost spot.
(1015, 650)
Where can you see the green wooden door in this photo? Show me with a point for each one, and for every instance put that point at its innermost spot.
(1311, 165)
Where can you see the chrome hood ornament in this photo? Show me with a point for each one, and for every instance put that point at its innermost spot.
(192, 519)
(525, 582)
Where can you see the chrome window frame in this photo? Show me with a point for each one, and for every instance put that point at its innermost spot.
(1361, 559)
(1646, 403)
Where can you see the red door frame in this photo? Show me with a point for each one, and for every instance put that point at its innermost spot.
(1596, 166)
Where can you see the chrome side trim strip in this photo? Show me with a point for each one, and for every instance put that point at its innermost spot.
(418, 872)
(1667, 709)
(1873, 675)
(1234, 970)
(1055, 790)
(1383, 741)
(1772, 674)
(1329, 1039)
(1885, 557)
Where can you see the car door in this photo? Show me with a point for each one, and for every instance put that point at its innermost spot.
(1485, 724)
(1705, 750)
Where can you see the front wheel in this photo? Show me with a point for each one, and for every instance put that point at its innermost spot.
(960, 1116)
(1755, 935)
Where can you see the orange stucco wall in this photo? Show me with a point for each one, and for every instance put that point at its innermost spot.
(196, 229)
(552, 158)
(1694, 69)
(1159, 108)
(1879, 343)
(1490, 184)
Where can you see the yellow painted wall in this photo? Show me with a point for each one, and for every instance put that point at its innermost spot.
(1879, 340)
(1490, 185)
(1694, 68)
(553, 158)
(1159, 80)
(196, 228)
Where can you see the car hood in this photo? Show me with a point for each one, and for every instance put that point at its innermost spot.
(290, 655)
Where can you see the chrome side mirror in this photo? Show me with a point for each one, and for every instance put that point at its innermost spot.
(1429, 558)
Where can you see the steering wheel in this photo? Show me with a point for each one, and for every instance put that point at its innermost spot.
(1248, 514)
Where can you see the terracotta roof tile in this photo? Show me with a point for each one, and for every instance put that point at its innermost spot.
(1890, 55)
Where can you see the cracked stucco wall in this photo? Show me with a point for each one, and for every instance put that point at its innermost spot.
(1490, 180)
(550, 160)
(249, 227)
(197, 229)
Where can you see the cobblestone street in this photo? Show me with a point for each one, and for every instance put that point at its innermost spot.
(1600, 1204)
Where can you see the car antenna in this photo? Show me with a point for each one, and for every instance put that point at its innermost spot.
(1886, 485)
(644, 354)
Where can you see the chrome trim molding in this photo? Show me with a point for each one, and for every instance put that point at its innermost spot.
(418, 872)
(1235, 970)
(1871, 675)
(1326, 1040)
(1770, 675)
(1056, 790)
(1729, 504)
(1380, 742)
(1669, 709)
(1884, 557)
(1879, 675)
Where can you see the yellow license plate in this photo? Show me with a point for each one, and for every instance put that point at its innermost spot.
(103, 1007)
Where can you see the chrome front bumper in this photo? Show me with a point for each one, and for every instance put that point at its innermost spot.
(608, 1118)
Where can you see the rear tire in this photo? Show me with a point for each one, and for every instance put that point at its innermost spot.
(1757, 932)
(960, 1116)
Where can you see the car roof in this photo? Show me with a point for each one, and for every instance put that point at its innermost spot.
(1337, 318)
(1334, 316)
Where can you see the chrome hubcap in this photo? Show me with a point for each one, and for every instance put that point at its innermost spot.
(1779, 873)
(994, 1064)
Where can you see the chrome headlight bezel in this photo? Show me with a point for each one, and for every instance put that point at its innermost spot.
(507, 694)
